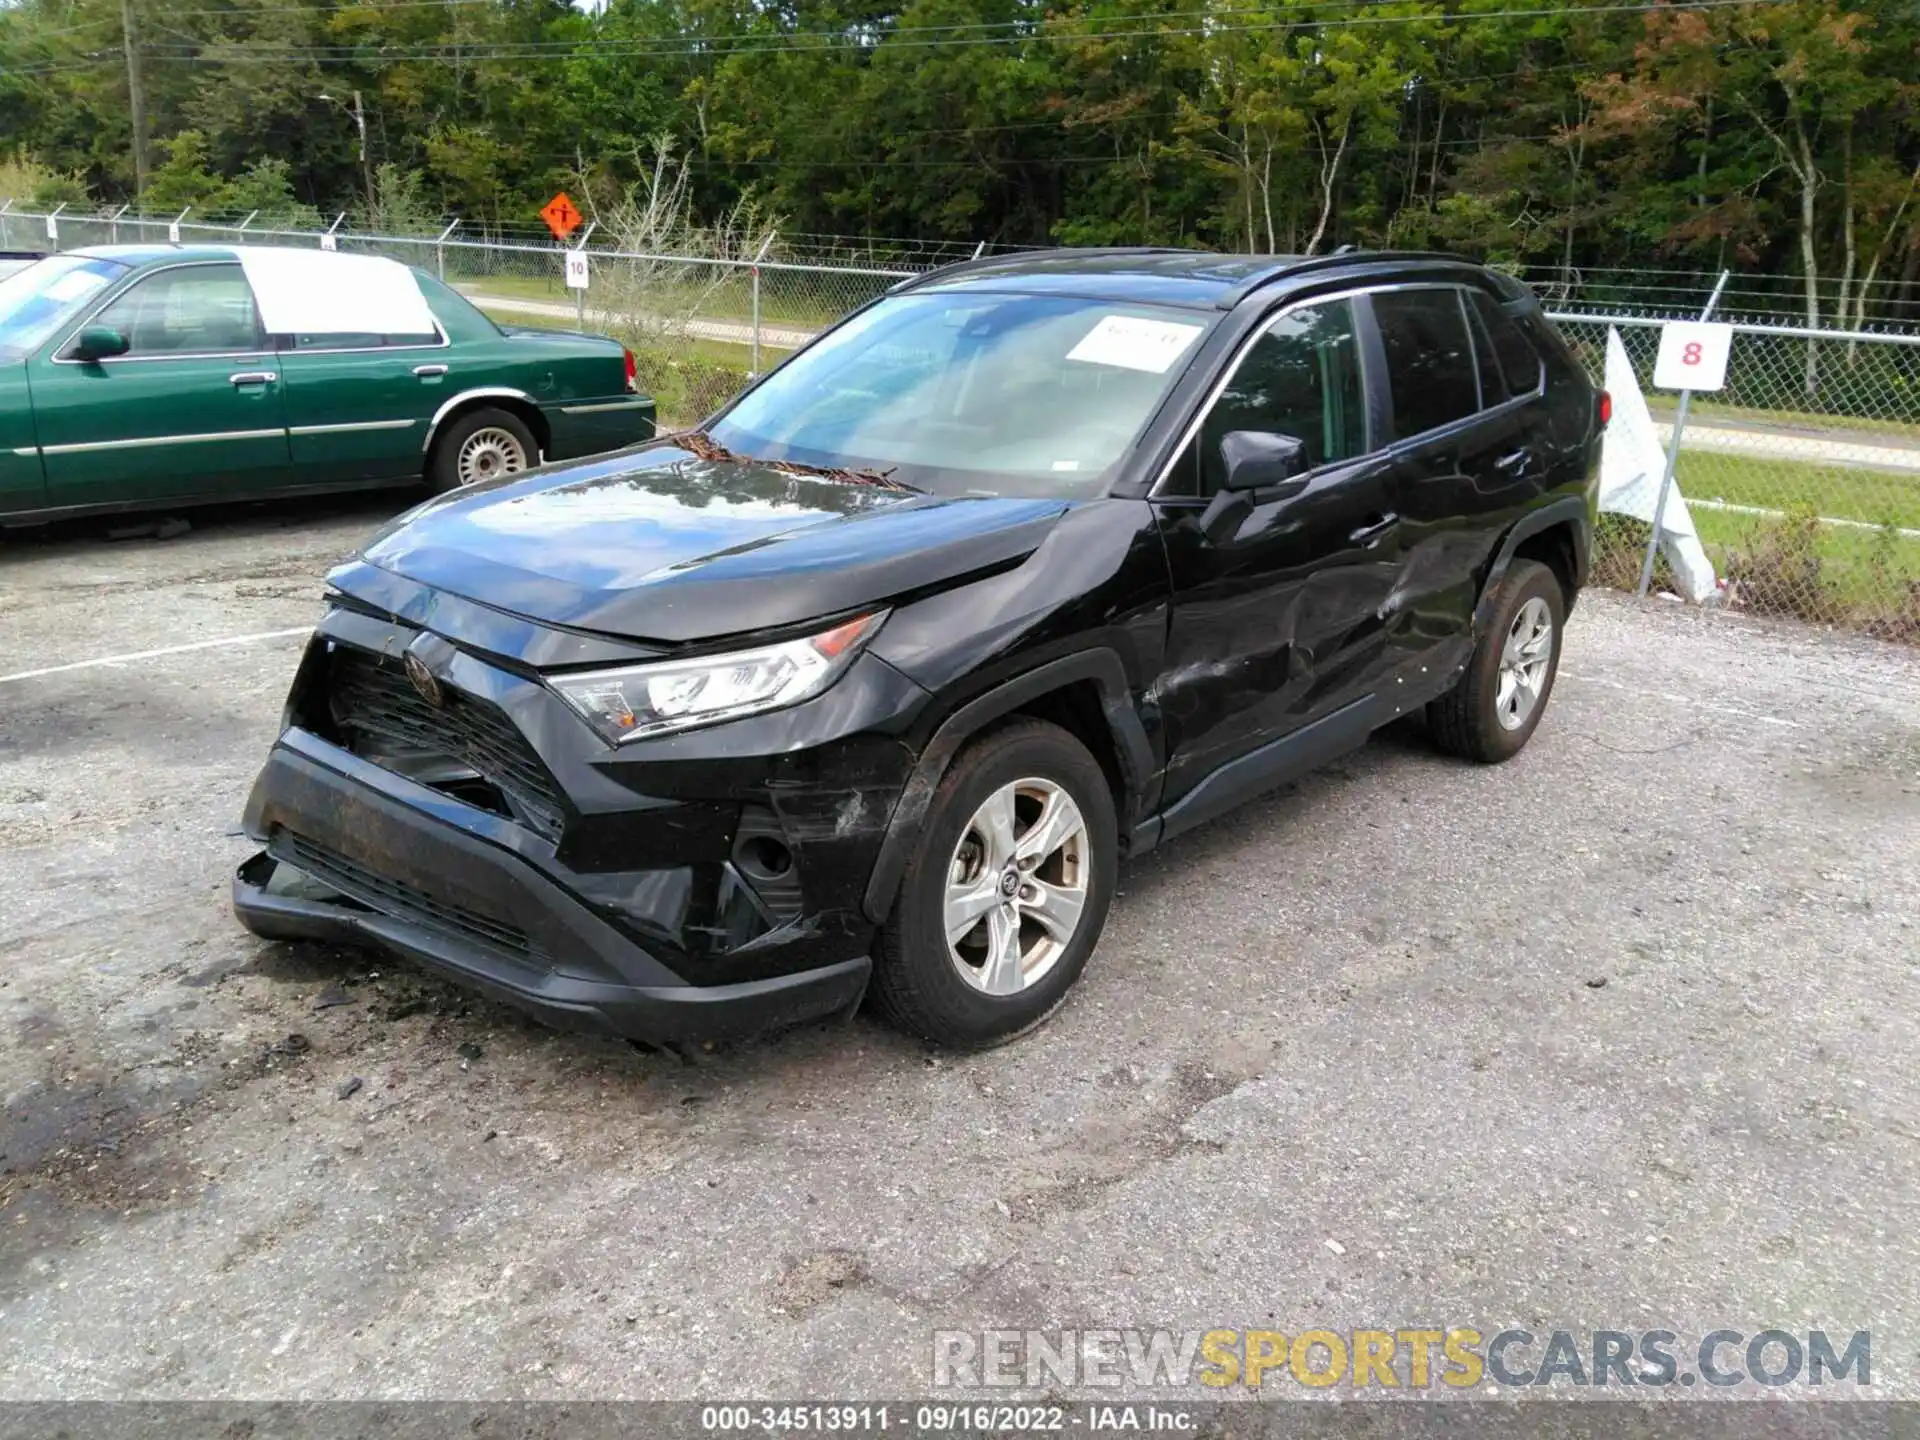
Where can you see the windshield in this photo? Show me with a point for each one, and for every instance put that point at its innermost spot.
(37, 301)
(972, 394)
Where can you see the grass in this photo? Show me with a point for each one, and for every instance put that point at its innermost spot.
(787, 298)
(1841, 492)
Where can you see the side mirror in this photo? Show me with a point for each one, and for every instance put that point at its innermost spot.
(1256, 460)
(99, 342)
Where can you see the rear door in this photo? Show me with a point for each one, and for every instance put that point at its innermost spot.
(358, 406)
(192, 408)
(1277, 597)
(1459, 458)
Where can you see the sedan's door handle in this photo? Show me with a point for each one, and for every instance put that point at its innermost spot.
(252, 377)
(1514, 463)
(1374, 530)
(429, 372)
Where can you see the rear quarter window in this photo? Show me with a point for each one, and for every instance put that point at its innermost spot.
(1513, 354)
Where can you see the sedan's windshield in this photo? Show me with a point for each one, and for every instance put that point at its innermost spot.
(972, 393)
(37, 301)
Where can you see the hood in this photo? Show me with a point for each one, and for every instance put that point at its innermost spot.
(658, 545)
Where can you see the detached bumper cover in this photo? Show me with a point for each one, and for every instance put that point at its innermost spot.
(347, 861)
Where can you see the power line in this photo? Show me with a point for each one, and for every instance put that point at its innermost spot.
(797, 43)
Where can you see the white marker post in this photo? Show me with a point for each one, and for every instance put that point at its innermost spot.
(1693, 356)
(53, 224)
(330, 238)
(577, 275)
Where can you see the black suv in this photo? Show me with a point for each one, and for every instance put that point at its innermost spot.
(1031, 564)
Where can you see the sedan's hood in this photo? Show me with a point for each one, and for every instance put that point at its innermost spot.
(658, 545)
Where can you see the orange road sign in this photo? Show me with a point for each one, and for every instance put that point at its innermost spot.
(562, 215)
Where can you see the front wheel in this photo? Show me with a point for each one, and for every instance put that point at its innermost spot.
(1006, 893)
(481, 445)
(1498, 703)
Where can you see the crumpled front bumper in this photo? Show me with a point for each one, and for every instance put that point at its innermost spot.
(356, 855)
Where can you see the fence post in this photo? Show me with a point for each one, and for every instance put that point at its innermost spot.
(440, 250)
(6, 225)
(113, 225)
(580, 296)
(53, 224)
(759, 255)
(1673, 455)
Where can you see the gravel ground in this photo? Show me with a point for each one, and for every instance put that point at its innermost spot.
(1620, 1034)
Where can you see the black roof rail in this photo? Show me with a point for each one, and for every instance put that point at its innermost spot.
(987, 262)
(1346, 255)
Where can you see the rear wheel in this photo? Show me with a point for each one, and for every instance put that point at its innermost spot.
(1492, 713)
(482, 445)
(1006, 893)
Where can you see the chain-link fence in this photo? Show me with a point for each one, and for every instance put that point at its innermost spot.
(1801, 477)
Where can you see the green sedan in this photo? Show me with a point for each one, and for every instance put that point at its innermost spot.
(163, 375)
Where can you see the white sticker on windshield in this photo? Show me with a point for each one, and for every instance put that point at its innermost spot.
(1134, 344)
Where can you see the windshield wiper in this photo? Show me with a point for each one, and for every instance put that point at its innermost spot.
(703, 445)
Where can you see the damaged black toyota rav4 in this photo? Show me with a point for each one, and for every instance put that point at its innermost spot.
(872, 681)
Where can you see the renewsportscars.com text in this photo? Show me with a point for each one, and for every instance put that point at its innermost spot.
(1457, 1357)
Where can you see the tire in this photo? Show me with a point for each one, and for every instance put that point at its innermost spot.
(1479, 720)
(477, 437)
(953, 994)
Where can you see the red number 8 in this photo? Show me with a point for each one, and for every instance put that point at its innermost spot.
(1690, 353)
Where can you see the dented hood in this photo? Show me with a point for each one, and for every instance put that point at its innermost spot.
(658, 545)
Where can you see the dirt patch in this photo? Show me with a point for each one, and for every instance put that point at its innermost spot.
(813, 1280)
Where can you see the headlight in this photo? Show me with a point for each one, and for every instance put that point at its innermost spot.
(640, 700)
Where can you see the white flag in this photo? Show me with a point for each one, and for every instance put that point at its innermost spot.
(1631, 464)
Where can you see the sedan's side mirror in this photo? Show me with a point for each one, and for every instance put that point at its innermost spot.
(1257, 460)
(99, 342)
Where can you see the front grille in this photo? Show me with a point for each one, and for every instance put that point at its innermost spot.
(381, 717)
(400, 901)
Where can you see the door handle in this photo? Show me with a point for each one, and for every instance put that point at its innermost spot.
(429, 372)
(1374, 530)
(252, 377)
(1514, 463)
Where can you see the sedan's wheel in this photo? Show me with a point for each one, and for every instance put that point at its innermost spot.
(489, 454)
(1497, 705)
(1007, 890)
(479, 446)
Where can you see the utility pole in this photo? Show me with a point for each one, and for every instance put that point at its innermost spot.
(360, 122)
(366, 170)
(136, 98)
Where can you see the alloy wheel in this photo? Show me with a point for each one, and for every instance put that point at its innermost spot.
(1016, 887)
(1524, 659)
(490, 452)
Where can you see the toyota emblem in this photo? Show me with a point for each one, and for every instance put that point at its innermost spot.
(423, 680)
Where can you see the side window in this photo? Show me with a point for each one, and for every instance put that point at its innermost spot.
(1519, 362)
(196, 309)
(1429, 358)
(1300, 378)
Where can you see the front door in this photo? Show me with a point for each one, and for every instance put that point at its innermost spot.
(359, 406)
(1278, 597)
(191, 409)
